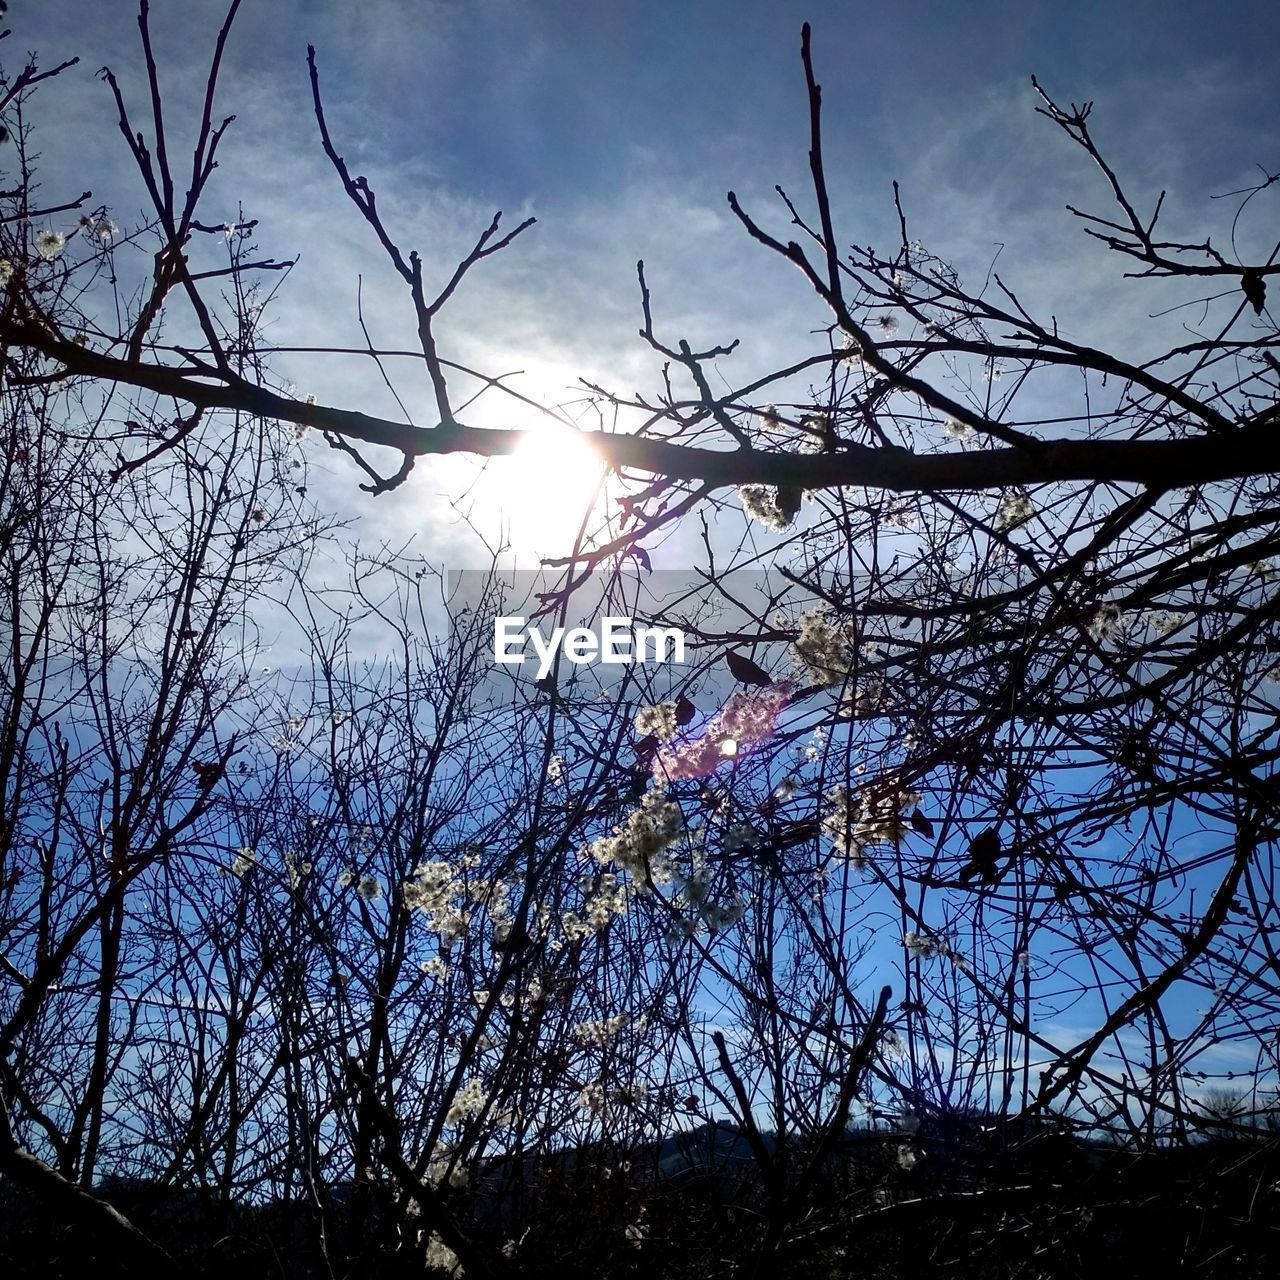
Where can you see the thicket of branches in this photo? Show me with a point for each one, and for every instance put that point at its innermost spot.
(974, 853)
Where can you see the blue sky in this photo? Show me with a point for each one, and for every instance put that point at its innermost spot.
(621, 127)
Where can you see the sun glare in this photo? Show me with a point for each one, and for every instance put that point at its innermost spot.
(548, 484)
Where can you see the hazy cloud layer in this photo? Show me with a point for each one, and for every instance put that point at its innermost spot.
(620, 128)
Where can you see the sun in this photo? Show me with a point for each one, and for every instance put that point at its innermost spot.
(548, 484)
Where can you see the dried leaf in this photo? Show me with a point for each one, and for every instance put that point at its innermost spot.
(1254, 288)
(984, 850)
(745, 671)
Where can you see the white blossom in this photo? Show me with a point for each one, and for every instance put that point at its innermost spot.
(760, 502)
(658, 720)
(720, 916)
(439, 1257)
(1165, 623)
(49, 244)
(920, 946)
(1015, 509)
(823, 649)
(469, 1101)
(819, 434)
(876, 819)
(601, 1030)
(681, 927)
(1105, 622)
(297, 869)
(591, 1098)
(434, 889)
(866, 698)
(101, 229)
(639, 844)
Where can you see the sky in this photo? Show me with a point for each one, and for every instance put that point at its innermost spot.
(621, 127)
